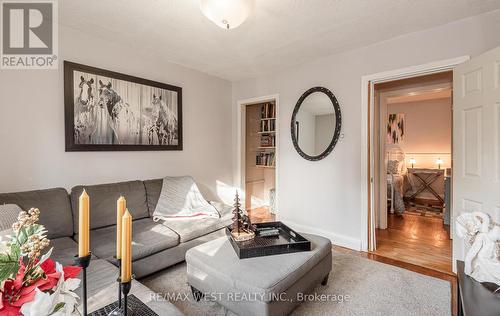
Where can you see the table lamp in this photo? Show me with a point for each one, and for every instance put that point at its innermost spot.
(413, 162)
(439, 162)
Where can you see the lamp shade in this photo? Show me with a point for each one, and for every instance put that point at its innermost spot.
(439, 161)
(413, 161)
(227, 14)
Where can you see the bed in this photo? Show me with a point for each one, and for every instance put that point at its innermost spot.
(395, 161)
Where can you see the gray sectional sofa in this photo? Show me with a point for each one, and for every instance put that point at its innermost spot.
(156, 245)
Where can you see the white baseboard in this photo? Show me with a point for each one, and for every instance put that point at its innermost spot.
(336, 239)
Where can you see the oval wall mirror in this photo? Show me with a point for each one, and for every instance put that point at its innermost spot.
(316, 123)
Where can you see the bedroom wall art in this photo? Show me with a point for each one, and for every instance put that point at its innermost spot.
(396, 129)
(109, 111)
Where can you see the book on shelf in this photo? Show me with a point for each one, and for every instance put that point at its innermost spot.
(268, 111)
(267, 141)
(266, 159)
(267, 125)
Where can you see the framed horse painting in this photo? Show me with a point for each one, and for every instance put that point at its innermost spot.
(109, 111)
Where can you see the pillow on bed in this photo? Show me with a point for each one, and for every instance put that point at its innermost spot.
(393, 167)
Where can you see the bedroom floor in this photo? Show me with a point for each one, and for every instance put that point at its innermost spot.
(417, 239)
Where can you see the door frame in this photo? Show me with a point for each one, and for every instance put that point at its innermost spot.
(241, 143)
(367, 133)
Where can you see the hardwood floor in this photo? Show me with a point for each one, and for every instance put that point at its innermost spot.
(260, 215)
(415, 239)
(450, 277)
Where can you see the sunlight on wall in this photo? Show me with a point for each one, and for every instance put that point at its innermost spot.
(226, 193)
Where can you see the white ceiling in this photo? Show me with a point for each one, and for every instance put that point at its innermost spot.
(420, 96)
(279, 34)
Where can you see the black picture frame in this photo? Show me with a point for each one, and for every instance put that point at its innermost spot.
(69, 108)
(338, 124)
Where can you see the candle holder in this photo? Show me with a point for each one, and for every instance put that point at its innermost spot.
(125, 286)
(118, 311)
(84, 262)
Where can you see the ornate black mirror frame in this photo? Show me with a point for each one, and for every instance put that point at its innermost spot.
(338, 123)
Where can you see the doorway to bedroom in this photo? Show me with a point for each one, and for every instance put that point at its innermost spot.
(412, 145)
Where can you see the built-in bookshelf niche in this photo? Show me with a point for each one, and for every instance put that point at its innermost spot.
(266, 155)
(260, 155)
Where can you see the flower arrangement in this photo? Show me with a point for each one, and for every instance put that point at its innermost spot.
(32, 284)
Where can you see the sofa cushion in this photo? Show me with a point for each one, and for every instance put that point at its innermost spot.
(54, 206)
(64, 250)
(148, 238)
(103, 202)
(191, 228)
(153, 191)
(167, 258)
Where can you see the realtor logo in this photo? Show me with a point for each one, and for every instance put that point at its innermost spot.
(29, 34)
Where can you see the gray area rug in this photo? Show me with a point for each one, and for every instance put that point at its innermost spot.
(368, 288)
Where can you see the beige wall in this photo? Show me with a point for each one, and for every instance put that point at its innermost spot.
(325, 196)
(254, 177)
(32, 124)
(428, 131)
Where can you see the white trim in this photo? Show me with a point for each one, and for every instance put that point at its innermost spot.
(240, 145)
(336, 239)
(368, 81)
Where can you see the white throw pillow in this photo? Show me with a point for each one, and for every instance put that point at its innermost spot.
(180, 197)
(8, 216)
(393, 167)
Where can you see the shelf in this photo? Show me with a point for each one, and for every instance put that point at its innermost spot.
(268, 132)
(267, 147)
(267, 119)
(265, 167)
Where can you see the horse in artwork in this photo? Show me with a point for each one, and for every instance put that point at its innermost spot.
(84, 112)
(107, 113)
(165, 125)
(117, 123)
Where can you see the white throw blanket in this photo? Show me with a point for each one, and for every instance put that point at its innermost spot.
(181, 198)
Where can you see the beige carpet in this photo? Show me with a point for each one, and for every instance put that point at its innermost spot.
(373, 288)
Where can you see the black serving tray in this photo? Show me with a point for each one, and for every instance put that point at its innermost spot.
(288, 241)
(137, 306)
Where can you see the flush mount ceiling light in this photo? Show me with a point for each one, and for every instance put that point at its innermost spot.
(227, 14)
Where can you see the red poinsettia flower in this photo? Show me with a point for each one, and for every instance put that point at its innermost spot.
(18, 292)
(8, 310)
(71, 272)
(10, 290)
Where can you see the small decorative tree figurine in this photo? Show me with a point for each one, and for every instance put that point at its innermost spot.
(241, 229)
(237, 218)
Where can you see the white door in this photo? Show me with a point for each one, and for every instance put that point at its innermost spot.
(476, 139)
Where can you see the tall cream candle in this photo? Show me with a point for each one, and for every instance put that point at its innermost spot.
(83, 225)
(121, 205)
(126, 273)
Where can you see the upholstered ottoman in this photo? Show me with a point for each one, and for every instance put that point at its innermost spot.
(270, 285)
